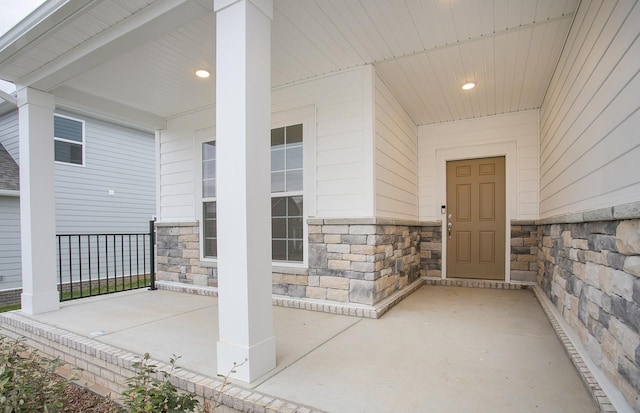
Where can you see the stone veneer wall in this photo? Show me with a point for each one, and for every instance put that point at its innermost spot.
(362, 260)
(178, 255)
(589, 266)
(524, 251)
(431, 250)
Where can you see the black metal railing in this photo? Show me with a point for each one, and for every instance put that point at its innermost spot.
(97, 264)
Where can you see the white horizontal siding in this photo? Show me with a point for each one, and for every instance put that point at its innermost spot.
(118, 159)
(9, 137)
(344, 157)
(177, 166)
(396, 157)
(590, 117)
(468, 138)
(10, 265)
(344, 147)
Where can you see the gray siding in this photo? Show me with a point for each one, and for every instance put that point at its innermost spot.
(10, 266)
(118, 159)
(9, 133)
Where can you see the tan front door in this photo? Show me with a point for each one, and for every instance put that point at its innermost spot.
(475, 229)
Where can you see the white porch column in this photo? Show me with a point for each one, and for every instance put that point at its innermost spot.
(37, 201)
(243, 113)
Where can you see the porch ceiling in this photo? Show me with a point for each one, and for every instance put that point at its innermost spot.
(134, 60)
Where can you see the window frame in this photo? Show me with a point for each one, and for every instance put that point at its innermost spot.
(200, 138)
(305, 115)
(207, 200)
(82, 144)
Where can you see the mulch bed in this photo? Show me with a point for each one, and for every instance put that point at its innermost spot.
(78, 399)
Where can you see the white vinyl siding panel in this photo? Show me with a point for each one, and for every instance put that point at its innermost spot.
(178, 158)
(521, 128)
(9, 137)
(10, 264)
(396, 157)
(343, 157)
(344, 152)
(590, 117)
(118, 159)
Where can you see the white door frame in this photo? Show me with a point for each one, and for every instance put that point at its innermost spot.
(509, 150)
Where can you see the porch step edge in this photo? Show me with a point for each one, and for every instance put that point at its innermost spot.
(110, 366)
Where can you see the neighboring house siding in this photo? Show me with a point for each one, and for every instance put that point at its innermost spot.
(489, 136)
(590, 117)
(116, 158)
(10, 266)
(396, 157)
(9, 133)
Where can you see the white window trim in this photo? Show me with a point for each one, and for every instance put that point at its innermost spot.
(201, 136)
(83, 143)
(305, 115)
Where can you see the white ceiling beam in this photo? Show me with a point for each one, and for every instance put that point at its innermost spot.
(157, 19)
(94, 106)
(9, 98)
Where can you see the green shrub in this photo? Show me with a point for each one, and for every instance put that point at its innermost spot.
(28, 382)
(148, 393)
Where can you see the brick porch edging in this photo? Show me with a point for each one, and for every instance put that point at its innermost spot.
(109, 366)
(323, 306)
(590, 382)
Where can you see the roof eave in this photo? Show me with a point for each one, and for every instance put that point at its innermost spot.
(37, 24)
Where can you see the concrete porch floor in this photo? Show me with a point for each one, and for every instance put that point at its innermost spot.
(442, 349)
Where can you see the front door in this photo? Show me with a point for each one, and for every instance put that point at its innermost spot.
(475, 228)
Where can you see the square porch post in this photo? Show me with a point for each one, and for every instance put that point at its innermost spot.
(243, 122)
(37, 201)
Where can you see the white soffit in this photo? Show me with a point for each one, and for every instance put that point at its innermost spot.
(424, 50)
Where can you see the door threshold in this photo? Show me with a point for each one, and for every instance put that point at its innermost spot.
(475, 283)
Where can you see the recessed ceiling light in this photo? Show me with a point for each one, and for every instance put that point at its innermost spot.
(468, 86)
(201, 73)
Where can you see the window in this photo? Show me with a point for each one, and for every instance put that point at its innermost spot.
(287, 228)
(210, 249)
(68, 139)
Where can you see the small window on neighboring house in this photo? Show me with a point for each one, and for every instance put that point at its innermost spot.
(210, 229)
(287, 194)
(68, 136)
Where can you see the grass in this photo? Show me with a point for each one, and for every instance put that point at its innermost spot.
(9, 308)
(114, 286)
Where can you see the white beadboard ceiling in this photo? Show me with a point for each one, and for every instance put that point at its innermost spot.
(139, 55)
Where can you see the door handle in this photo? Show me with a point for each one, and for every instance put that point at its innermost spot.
(449, 225)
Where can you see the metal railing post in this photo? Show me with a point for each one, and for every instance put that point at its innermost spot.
(152, 254)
